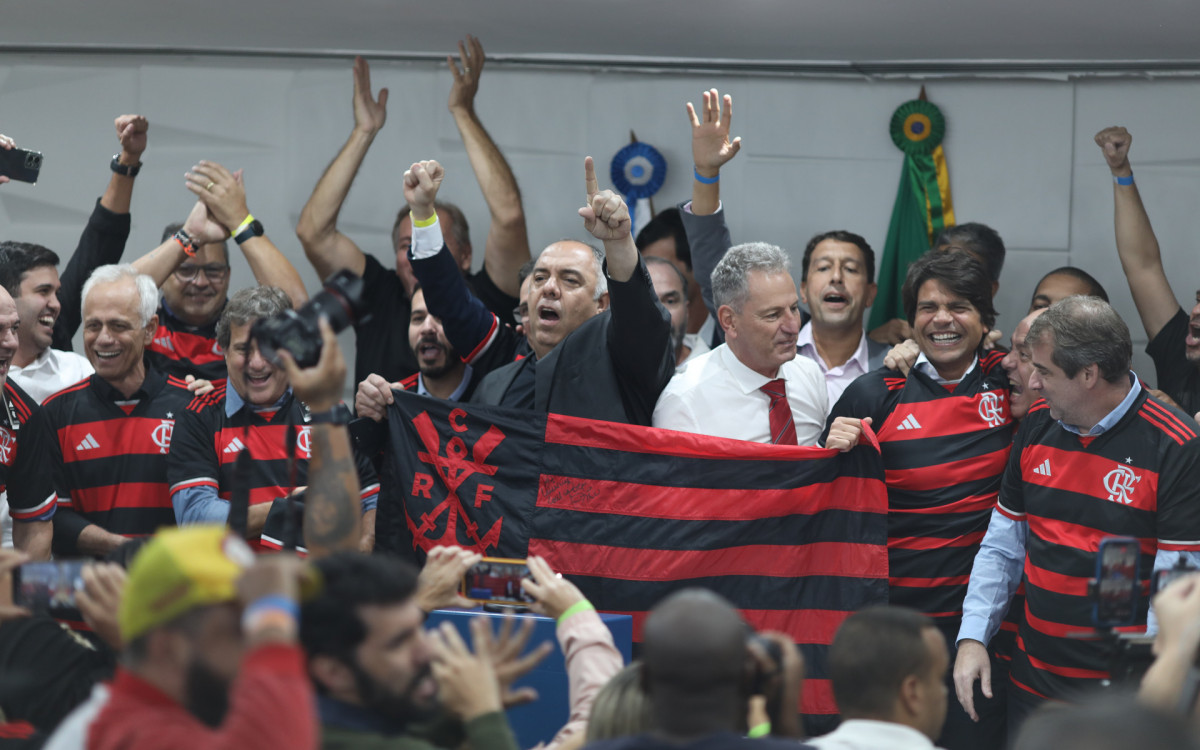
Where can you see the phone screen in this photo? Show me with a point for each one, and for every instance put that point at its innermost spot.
(48, 587)
(496, 579)
(1117, 583)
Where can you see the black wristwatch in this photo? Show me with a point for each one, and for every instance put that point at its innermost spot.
(254, 229)
(339, 414)
(124, 169)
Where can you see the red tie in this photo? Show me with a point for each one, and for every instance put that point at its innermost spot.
(783, 428)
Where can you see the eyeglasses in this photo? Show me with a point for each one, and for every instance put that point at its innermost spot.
(212, 272)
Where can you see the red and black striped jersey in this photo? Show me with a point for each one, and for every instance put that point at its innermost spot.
(25, 457)
(181, 350)
(208, 441)
(1139, 479)
(944, 454)
(110, 455)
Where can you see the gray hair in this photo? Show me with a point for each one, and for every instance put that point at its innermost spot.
(730, 284)
(1085, 330)
(147, 291)
(249, 305)
(597, 264)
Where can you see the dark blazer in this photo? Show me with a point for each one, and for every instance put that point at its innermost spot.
(613, 367)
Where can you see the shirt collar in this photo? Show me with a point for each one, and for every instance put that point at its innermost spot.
(808, 347)
(153, 383)
(335, 713)
(749, 380)
(234, 402)
(1114, 416)
(924, 365)
(458, 392)
(163, 309)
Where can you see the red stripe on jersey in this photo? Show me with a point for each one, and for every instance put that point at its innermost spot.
(1013, 516)
(1157, 420)
(264, 441)
(926, 582)
(39, 509)
(630, 564)
(1056, 582)
(1087, 474)
(1057, 629)
(1073, 672)
(182, 345)
(925, 478)
(651, 501)
(69, 389)
(969, 504)
(124, 495)
(1028, 689)
(1076, 536)
(24, 411)
(1186, 429)
(1037, 406)
(115, 437)
(940, 417)
(410, 383)
(259, 495)
(193, 483)
(933, 542)
(491, 334)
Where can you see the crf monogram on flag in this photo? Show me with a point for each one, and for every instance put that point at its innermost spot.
(795, 537)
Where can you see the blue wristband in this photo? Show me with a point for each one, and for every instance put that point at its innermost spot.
(706, 180)
(1124, 180)
(273, 601)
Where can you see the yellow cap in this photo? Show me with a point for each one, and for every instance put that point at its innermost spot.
(179, 570)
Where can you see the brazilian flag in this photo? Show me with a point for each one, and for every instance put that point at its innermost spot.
(923, 207)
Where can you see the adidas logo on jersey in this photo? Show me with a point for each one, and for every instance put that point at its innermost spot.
(88, 443)
(910, 423)
(234, 446)
(1043, 468)
(166, 343)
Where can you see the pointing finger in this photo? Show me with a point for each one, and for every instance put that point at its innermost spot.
(589, 177)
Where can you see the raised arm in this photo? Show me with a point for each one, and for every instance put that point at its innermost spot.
(224, 194)
(507, 241)
(332, 510)
(607, 218)
(328, 249)
(1136, 244)
(200, 227)
(103, 239)
(711, 149)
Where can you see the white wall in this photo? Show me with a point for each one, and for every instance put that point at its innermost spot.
(816, 154)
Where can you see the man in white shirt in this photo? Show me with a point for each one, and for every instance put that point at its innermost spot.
(672, 287)
(752, 387)
(888, 666)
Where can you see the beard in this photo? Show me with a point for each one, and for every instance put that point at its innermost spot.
(397, 707)
(207, 694)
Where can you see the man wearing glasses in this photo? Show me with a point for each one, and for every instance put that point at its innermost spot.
(191, 268)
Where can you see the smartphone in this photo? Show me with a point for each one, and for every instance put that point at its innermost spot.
(496, 580)
(1117, 586)
(49, 587)
(20, 164)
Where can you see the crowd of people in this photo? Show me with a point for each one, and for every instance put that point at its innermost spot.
(179, 455)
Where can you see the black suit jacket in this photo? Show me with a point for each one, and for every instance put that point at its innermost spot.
(613, 367)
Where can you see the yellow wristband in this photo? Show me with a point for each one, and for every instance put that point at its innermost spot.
(425, 222)
(579, 606)
(245, 223)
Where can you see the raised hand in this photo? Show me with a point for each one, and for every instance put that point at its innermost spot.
(131, 131)
(1114, 143)
(438, 583)
(605, 215)
(421, 184)
(467, 685)
(711, 146)
(221, 190)
(369, 114)
(7, 144)
(466, 81)
(202, 227)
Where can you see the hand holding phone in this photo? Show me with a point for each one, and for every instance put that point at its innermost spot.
(49, 587)
(496, 580)
(18, 163)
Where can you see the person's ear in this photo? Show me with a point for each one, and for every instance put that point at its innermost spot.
(602, 303)
(725, 317)
(331, 674)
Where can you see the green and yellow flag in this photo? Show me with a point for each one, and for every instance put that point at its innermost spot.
(923, 207)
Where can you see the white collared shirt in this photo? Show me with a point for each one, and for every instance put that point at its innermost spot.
(52, 371)
(924, 365)
(836, 378)
(865, 734)
(715, 394)
(696, 347)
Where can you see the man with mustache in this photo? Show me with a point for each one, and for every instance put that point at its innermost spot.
(1174, 333)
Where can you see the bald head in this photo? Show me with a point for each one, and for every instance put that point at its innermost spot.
(694, 641)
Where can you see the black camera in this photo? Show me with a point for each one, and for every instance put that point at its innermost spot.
(296, 331)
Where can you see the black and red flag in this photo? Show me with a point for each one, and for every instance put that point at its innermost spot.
(795, 537)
